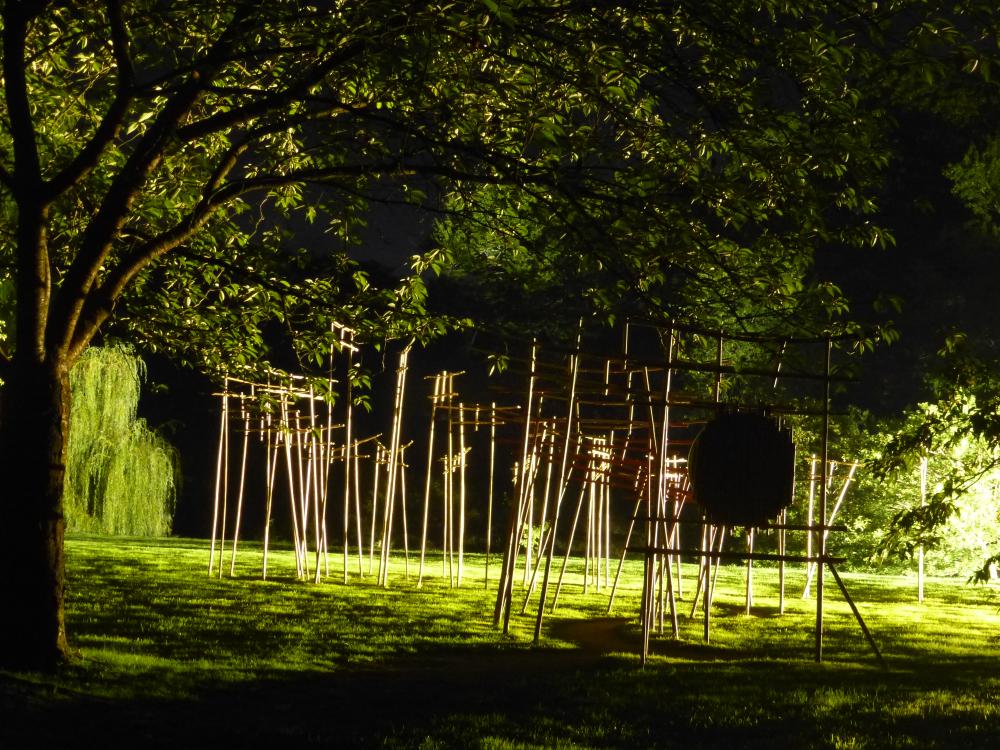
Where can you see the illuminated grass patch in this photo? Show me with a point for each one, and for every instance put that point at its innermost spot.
(176, 658)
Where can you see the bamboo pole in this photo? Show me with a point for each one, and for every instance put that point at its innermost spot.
(219, 466)
(449, 494)
(348, 430)
(648, 559)
(375, 489)
(707, 588)
(436, 391)
(920, 549)
(305, 494)
(286, 435)
(245, 414)
(811, 567)
(822, 504)
(402, 511)
(547, 441)
(461, 491)
(357, 512)
(392, 478)
(783, 520)
(588, 546)
(502, 608)
(701, 571)
(809, 521)
(607, 515)
(312, 469)
(225, 484)
(565, 472)
(489, 501)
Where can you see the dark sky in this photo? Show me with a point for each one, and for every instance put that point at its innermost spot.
(943, 269)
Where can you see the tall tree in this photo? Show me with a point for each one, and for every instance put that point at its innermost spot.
(159, 163)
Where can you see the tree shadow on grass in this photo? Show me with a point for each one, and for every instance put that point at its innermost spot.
(483, 696)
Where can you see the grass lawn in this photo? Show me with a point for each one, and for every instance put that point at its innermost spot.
(173, 658)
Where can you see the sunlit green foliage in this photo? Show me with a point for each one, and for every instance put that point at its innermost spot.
(121, 476)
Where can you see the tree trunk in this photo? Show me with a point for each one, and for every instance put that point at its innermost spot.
(34, 429)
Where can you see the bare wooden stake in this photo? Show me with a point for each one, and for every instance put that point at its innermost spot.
(427, 477)
(461, 491)
(375, 488)
(489, 502)
(220, 470)
(348, 429)
(225, 489)
(357, 512)
(245, 414)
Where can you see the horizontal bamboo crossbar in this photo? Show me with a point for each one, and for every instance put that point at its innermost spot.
(726, 555)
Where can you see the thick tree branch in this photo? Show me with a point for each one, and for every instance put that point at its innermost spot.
(32, 275)
(99, 235)
(16, 19)
(110, 125)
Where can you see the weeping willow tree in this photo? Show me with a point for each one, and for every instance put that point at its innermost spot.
(120, 475)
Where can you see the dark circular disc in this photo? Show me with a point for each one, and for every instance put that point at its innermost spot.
(742, 469)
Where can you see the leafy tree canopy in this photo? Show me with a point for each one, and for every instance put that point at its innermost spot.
(161, 161)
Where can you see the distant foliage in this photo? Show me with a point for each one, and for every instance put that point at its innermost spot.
(120, 475)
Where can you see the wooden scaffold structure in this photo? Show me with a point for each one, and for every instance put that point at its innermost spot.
(630, 420)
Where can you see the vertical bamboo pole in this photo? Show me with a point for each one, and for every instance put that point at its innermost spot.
(269, 478)
(357, 512)
(245, 414)
(449, 494)
(286, 435)
(627, 371)
(649, 558)
(375, 489)
(723, 530)
(565, 472)
(607, 512)
(706, 594)
(489, 501)
(833, 516)
(348, 431)
(783, 521)
(504, 589)
(810, 535)
(662, 485)
(272, 473)
(702, 572)
(588, 547)
(461, 491)
(305, 489)
(219, 473)
(225, 484)
(920, 549)
(312, 467)
(402, 511)
(822, 504)
(547, 441)
(436, 391)
(393, 470)
(528, 530)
